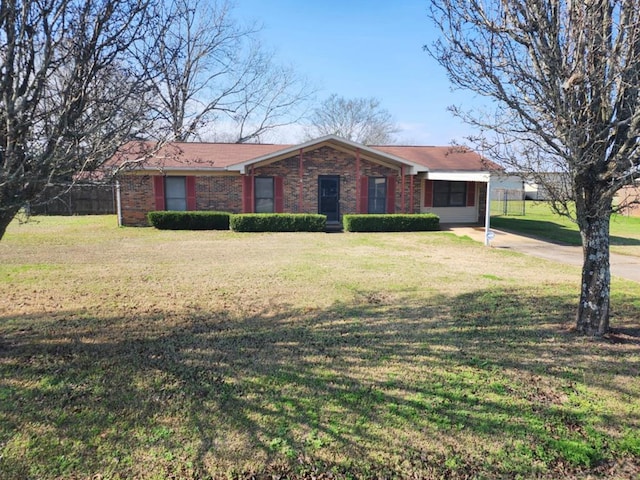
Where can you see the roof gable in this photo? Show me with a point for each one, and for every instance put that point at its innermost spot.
(331, 141)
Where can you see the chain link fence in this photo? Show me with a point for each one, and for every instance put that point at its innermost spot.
(507, 202)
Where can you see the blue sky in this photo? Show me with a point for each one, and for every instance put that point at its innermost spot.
(358, 48)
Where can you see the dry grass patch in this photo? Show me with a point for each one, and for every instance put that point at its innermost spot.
(155, 354)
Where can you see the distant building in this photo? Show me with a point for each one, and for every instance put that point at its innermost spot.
(548, 184)
(629, 198)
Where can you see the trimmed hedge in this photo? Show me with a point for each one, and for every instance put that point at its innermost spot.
(422, 222)
(200, 220)
(278, 222)
(290, 222)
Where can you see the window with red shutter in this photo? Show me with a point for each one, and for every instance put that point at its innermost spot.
(377, 197)
(264, 195)
(175, 193)
(449, 194)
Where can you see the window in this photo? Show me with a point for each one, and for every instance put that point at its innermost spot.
(175, 193)
(377, 195)
(264, 193)
(449, 194)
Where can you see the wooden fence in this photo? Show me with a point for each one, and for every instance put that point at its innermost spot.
(80, 200)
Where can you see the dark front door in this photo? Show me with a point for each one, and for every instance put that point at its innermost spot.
(329, 197)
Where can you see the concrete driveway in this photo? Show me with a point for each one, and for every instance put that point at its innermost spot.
(623, 266)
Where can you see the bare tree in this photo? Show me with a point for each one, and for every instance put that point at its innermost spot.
(564, 76)
(69, 97)
(360, 120)
(213, 77)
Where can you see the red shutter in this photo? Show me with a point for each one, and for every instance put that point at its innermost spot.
(363, 201)
(391, 194)
(191, 192)
(428, 193)
(278, 193)
(471, 194)
(247, 194)
(158, 191)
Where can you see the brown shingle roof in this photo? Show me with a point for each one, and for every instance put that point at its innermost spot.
(192, 155)
(440, 158)
(220, 156)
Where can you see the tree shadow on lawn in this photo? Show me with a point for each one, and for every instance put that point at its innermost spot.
(490, 383)
(553, 232)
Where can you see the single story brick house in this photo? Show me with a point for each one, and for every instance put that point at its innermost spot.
(329, 175)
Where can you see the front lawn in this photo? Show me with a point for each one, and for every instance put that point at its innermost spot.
(139, 353)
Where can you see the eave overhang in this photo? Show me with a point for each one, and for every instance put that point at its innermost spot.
(453, 176)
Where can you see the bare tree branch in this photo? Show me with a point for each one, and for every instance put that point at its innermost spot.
(210, 70)
(70, 92)
(563, 77)
(361, 120)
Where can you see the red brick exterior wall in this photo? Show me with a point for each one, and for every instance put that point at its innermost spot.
(220, 193)
(136, 199)
(223, 192)
(324, 161)
(418, 193)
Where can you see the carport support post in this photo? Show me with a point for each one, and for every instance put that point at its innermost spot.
(118, 203)
(487, 214)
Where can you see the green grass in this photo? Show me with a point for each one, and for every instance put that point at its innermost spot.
(137, 353)
(539, 221)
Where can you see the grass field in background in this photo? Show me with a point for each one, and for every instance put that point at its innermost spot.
(138, 353)
(541, 222)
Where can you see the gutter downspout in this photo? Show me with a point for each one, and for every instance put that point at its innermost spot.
(411, 194)
(301, 187)
(253, 190)
(358, 181)
(404, 203)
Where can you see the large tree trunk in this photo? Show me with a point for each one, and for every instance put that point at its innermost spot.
(5, 219)
(593, 311)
